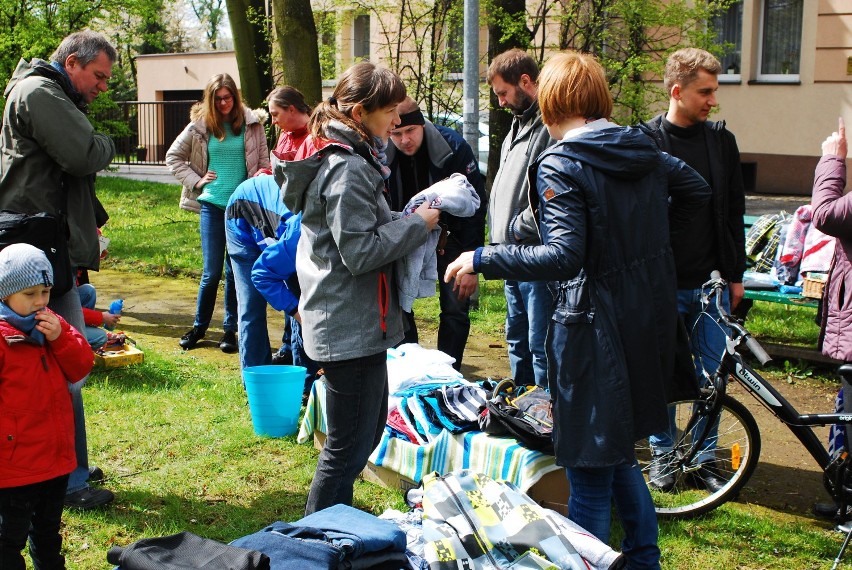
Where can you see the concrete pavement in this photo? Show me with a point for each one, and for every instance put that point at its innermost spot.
(149, 172)
(756, 204)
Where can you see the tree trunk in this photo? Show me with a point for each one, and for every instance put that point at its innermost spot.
(252, 47)
(297, 57)
(499, 121)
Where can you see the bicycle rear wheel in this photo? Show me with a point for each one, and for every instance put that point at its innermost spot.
(737, 448)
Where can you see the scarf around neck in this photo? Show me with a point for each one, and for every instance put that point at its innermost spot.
(379, 149)
(26, 325)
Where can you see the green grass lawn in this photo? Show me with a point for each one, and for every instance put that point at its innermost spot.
(175, 434)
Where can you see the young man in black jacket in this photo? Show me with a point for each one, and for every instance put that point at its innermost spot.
(421, 155)
(715, 238)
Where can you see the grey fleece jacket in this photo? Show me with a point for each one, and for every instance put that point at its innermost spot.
(510, 192)
(345, 257)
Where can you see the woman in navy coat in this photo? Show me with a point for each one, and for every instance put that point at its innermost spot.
(606, 200)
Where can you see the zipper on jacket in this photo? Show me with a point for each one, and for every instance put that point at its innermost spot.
(471, 523)
(44, 363)
(384, 301)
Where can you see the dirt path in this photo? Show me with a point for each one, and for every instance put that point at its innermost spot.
(159, 310)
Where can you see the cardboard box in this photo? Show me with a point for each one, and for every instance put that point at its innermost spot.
(117, 356)
(551, 491)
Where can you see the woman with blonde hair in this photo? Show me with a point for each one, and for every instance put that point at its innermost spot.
(349, 304)
(223, 145)
(605, 200)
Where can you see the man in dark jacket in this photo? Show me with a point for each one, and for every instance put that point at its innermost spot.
(50, 154)
(421, 155)
(715, 237)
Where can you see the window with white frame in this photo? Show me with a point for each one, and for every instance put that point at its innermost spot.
(781, 40)
(729, 34)
(454, 54)
(361, 37)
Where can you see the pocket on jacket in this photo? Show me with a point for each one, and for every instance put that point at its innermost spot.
(8, 435)
(574, 303)
(189, 199)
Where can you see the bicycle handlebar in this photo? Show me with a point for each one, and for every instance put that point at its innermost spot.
(718, 284)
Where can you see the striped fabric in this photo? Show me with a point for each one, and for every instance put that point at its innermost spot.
(500, 458)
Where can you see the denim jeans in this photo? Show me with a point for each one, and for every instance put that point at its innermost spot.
(95, 336)
(212, 229)
(69, 308)
(529, 308)
(707, 341)
(251, 305)
(356, 409)
(32, 513)
(590, 503)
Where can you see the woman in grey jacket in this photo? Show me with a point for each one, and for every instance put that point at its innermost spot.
(210, 168)
(349, 305)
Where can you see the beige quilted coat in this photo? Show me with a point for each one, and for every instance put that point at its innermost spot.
(187, 157)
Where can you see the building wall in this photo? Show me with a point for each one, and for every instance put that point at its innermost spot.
(780, 126)
(181, 72)
(156, 75)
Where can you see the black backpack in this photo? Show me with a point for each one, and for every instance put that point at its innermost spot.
(49, 233)
(522, 412)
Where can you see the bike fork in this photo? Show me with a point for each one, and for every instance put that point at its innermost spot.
(847, 528)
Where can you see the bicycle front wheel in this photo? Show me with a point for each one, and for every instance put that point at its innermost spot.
(699, 474)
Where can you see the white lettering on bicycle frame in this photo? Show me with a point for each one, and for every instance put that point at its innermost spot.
(844, 418)
(759, 389)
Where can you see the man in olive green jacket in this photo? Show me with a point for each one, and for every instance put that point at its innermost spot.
(49, 154)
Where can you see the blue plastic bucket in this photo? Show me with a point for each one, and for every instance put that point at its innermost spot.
(275, 398)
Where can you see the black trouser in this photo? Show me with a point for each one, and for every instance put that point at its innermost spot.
(34, 512)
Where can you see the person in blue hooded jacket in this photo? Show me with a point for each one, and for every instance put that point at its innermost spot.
(255, 218)
(605, 198)
(274, 276)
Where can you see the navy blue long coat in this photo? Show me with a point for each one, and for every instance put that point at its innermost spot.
(607, 200)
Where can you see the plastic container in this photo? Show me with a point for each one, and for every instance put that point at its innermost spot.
(275, 398)
(115, 308)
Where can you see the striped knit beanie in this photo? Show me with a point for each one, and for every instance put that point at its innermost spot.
(22, 266)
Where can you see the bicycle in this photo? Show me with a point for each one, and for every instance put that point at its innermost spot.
(735, 448)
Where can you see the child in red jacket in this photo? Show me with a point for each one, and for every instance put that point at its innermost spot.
(40, 354)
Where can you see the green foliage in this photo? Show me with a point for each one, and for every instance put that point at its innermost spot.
(800, 369)
(210, 13)
(326, 23)
(632, 39)
(34, 28)
(785, 324)
(100, 112)
(139, 210)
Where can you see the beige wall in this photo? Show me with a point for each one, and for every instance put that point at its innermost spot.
(181, 72)
(781, 126)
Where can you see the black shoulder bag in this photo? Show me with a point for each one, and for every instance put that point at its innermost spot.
(49, 233)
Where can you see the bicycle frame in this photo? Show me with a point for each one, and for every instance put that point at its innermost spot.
(767, 395)
(733, 365)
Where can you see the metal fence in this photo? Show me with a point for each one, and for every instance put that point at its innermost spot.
(153, 126)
